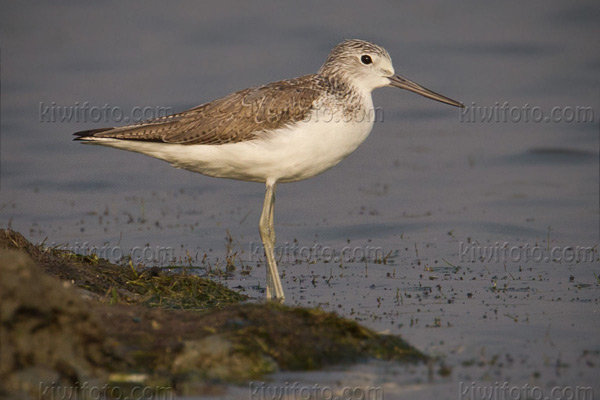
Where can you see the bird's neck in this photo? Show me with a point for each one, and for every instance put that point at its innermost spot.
(346, 98)
(343, 89)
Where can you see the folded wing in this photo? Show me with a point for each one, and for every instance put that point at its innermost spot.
(237, 117)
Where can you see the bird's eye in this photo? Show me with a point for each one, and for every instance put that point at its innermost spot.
(366, 59)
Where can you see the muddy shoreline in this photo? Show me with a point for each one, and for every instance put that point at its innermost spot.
(72, 320)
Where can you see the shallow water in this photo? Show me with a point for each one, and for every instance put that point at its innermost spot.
(430, 192)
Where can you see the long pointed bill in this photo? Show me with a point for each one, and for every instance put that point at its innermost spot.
(403, 83)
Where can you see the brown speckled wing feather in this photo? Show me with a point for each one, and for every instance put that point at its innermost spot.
(237, 117)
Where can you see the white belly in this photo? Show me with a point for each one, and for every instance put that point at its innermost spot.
(286, 155)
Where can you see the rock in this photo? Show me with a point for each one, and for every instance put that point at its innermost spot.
(47, 336)
(215, 358)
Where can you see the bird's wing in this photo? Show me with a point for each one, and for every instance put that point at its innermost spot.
(237, 117)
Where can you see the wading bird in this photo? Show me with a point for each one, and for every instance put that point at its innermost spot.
(283, 131)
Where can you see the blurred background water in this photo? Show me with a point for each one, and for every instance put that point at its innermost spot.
(430, 182)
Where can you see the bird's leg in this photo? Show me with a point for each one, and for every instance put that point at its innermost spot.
(267, 233)
(272, 218)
